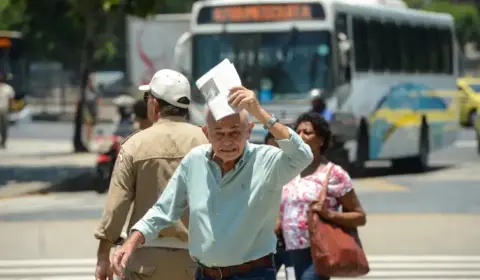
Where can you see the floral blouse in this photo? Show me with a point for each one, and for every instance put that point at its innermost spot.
(300, 192)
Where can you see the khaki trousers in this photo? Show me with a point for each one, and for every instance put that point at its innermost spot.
(155, 263)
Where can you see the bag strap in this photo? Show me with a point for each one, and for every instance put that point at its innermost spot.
(323, 192)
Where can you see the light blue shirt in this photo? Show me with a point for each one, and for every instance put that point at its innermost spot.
(231, 218)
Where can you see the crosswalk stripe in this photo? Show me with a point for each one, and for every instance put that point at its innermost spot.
(383, 267)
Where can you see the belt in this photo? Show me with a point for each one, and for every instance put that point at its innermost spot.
(219, 273)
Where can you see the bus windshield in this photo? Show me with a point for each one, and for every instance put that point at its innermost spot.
(288, 64)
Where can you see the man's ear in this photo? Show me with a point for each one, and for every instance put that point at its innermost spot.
(205, 131)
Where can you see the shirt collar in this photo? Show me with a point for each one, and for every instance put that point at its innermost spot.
(170, 119)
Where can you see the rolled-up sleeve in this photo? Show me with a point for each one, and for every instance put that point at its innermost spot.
(169, 207)
(288, 161)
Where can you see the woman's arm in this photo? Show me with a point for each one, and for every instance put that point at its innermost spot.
(353, 214)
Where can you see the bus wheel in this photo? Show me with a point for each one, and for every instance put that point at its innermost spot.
(417, 163)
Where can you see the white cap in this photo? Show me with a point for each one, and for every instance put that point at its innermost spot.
(169, 86)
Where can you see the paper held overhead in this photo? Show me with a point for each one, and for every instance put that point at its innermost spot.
(215, 86)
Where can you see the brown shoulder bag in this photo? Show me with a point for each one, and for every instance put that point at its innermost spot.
(336, 252)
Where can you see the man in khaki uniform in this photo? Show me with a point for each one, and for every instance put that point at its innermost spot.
(142, 170)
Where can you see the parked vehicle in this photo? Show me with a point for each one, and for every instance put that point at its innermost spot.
(108, 149)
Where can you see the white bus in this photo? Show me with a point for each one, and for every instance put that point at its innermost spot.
(387, 72)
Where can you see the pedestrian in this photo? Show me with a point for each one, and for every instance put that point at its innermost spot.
(281, 257)
(319, 106)
(92, 102)
(7, 94)
(232, 189)
(302, 191)
(140, 111)
(142, 170)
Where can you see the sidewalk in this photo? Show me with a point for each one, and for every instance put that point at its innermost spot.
(32, 165)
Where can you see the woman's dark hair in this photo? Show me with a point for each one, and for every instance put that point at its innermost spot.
(320, 125)
(270, 135)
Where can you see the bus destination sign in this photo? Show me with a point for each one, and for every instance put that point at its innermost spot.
(261, 13)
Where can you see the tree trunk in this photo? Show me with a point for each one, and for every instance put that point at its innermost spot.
(90, 45)
(85, 69)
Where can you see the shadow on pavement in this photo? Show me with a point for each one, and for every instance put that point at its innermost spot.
(372, 172)
(85, 181)
(46, 174)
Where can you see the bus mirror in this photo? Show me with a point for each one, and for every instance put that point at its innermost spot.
(182, 54)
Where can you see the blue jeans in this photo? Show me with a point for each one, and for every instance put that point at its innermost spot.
(303, 265)
(282, 257)
(260, 273)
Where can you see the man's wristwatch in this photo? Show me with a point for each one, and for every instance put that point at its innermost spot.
(270, 122)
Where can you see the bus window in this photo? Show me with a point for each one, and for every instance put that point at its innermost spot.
(433, 50)
(394, 56)
(423, 48)
(373, 47)
(408, 48)
(378, 48)
(360, 38)
(447, 51)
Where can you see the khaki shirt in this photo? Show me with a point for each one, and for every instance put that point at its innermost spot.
(143, 168)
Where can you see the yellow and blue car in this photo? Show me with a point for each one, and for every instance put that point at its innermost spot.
(469, 90)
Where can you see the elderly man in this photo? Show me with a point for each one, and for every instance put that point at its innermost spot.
(142, 170)
(232, 189)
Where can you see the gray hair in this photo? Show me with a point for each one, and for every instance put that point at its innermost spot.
(169, 110)
(247, 115)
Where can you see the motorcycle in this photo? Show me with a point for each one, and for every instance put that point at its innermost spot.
(109, 146)
(105, 162)
(107, 155)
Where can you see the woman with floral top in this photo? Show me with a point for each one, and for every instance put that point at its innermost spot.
(299, 193)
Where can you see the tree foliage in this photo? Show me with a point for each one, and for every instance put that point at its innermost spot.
(11, 13)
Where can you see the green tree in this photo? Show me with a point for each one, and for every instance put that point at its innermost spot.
(77, 32)
(99, 18)
(11, 13)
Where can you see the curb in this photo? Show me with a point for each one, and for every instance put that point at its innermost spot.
(55, 118)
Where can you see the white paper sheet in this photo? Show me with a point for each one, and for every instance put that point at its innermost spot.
(215, 85)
